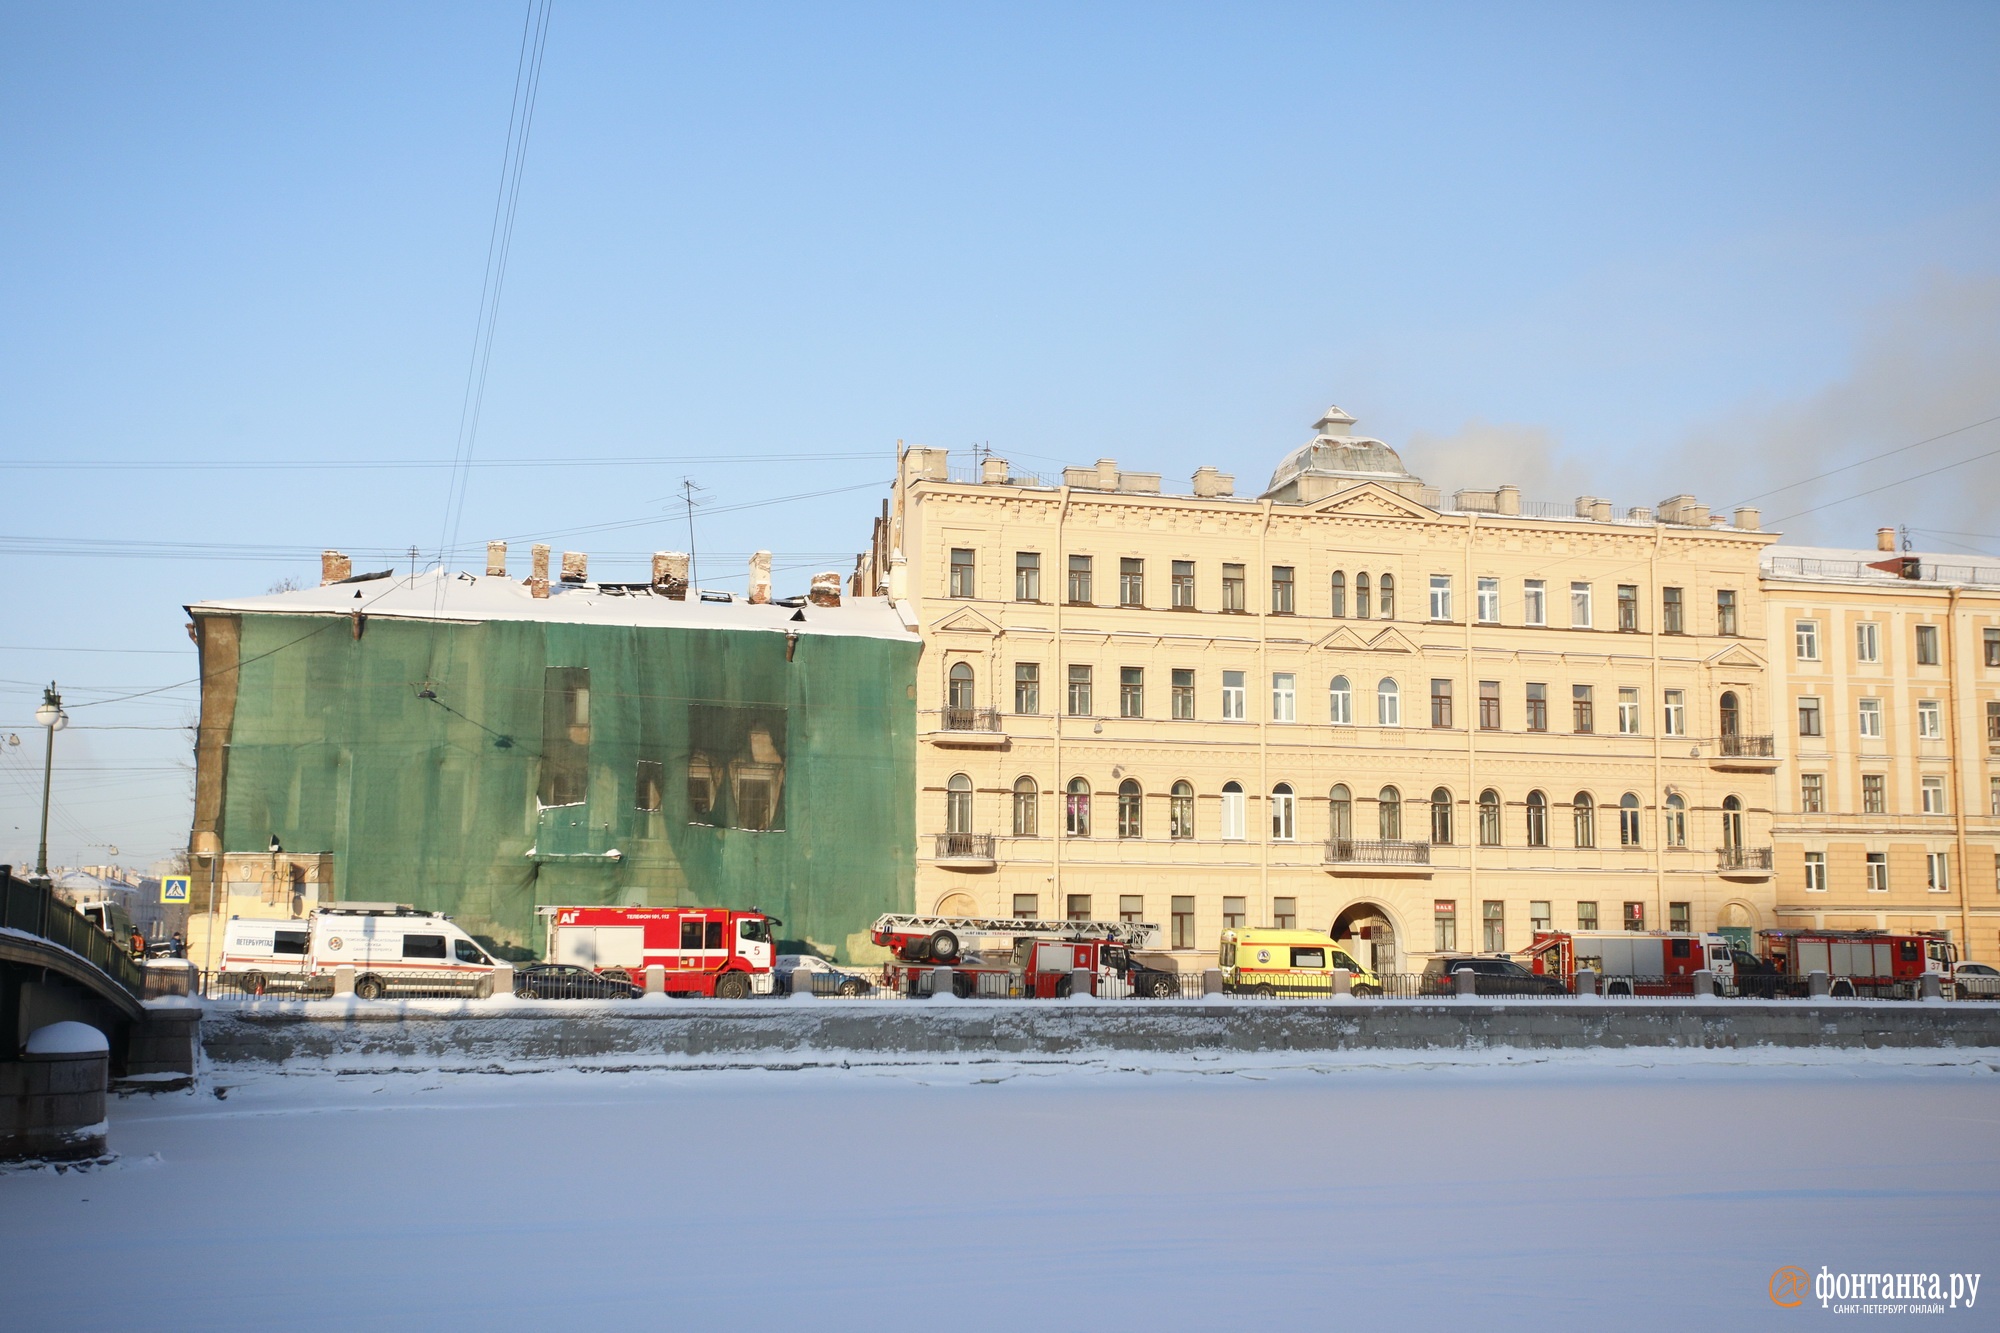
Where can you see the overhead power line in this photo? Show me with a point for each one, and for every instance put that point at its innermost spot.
(1876, 458)
(1888, 485)
(403, 464)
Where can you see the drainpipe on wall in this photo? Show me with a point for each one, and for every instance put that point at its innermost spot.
(1264, 715)
(1471, 701)
(1655, 701)
(1961, 852)
(1059, 700)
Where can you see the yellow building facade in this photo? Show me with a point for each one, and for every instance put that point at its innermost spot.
(1349, 705)
(1887, 810)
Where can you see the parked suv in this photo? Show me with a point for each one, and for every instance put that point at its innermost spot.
(1492, 976)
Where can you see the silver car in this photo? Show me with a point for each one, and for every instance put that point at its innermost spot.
(1975, 981)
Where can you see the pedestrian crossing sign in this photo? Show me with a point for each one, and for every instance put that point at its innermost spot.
(173, 888)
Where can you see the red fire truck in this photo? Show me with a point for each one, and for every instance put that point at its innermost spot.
(710, 951)
(1633, 962)
(1856, 962)
(1038, 962)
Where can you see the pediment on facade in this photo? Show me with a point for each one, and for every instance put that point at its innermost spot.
(1343, 639)
(1737, 655)
(965, 620)
(1391, 640)
(1369, 500)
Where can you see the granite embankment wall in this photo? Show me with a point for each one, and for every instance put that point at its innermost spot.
(478, 1035)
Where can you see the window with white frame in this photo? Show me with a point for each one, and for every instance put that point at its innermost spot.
(1232, 811)
(1677, 821)
(1579, 606)
(1805, 640)
(1673, 721)
(1932, 788)
(1340, 702)
(1489, 601)
(1815, 872)
(963, 584)
(1628, 710)
(1284, 697)
(1534, 602)
(1870, 719)
(1867, 642)
(1930, 720)
(1283, 805)
(1182, 695)
(1234, 700)
(1937, 871)
(1878, 872)
(1440, 597)
(1388, 703)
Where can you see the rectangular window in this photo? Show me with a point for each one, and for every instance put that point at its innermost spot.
(1993, 722)
(1440, 597)
(1673, 720)
(1027, 688)
(1078, 907)
(1285, 913)
(962, 581)
(1232, 914)
(1131, 691)
(1183, 699)
(1635, 916)
(1586, 916)
(1493, 923)
(1027, 576)
(1079, 580)
(1281, 590)
(1867, 642)
(1937, 871)
(1579, 606)
(1538, 707)
(1927, 645)
(1583, 709)
(1993, 808)
(1670, 612)
(1805, 640)
(1233, 696)
(423, 946)
(1534, 602)
(1540, 920)
(1878, 872)
(1233, 589)
(1444, 925)
(1932, 789)
(1680, 917)
(1628, 710)
(1628, 608)
(1131, 582)
(1489, 705)
(1079, 691)
(649, 787)
(290, 942)
(565, 761)
(1930, 720)
(1284, 697)
(1489, 601)
(1874, 793)
(1810, 723)
(1812, 793)
(1871, 718)
(1182, 919)
(1441, 703)
(1991, 639)
(1725, 612)
(1131, 907)
(1027, 907)
(1183, 585)
(1815, 872)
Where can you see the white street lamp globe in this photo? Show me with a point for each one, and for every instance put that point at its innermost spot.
(52, 715)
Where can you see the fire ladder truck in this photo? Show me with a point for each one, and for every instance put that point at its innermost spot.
(1040, 960)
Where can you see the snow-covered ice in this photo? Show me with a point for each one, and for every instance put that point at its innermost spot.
(1636, 1189)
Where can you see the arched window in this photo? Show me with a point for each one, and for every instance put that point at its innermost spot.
(1180, 812)
(958, 804)
(1076, 809)
(1489, 818)
(1232, 811)
(958, 686)
(1677, 821)
(1388, 598)
(1340, 811)
(1027, 806)
(1441, 817)
(1628, 820)
(1389, 814)
(1730, 714)
(1388, 703)
(1339, 702)
(1538, 819)
(1732, 823)
(1339, 594)
(1282, 815)
(1131, 802)
(1585, 812)
(1361, 611)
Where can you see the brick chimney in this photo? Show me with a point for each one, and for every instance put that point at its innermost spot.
(1885, 539)
(825, 589)
(538, 569)
(760, 578)
(333, 567)
(575, 567)
(496, 560)
(670, 574)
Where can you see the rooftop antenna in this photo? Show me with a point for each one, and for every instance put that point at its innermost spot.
(1906, 537)
(688, 489)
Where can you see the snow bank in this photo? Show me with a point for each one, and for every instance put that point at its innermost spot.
(68, 1039)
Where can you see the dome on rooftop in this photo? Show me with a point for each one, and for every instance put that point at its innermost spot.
(1336, 453)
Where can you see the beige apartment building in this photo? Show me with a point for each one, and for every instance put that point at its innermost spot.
(1888, 802)
(1347, 704)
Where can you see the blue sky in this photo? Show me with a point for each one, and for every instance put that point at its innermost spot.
(1622, 250)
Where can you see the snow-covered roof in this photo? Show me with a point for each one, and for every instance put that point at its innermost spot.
(470, 598)
(1333, 452)
(1835, 564)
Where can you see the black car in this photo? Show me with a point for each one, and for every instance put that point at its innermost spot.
(565, 981)
(1491, 976)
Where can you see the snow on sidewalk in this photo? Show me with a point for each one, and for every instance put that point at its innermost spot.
(1267, 1191)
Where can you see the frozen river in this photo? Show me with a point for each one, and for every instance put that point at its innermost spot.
(1249, 1192)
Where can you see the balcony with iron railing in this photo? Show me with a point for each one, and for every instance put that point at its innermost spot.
(972, 851)
(969, 728)
(1745, 754)
(1743, 862)
(1377, 856)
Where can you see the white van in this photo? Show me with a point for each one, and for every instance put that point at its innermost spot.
(390, 946)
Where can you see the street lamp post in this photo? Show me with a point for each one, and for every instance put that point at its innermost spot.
(50, 715)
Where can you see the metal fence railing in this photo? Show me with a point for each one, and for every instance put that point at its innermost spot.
(298, 986)
(1747, 747)
(36, 910)
(1743, 858)
(1377, 852)
(964, 847)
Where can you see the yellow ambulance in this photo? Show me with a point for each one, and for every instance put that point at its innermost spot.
(1287, 962)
